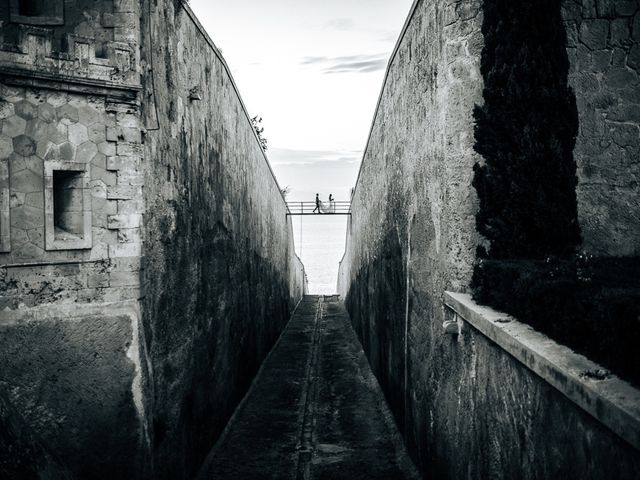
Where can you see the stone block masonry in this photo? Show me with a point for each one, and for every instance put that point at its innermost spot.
(604, 51)
(466, 408)
(70, 280)
(146, 263)
(48, 131)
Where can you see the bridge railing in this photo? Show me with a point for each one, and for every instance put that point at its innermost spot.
(309, 208)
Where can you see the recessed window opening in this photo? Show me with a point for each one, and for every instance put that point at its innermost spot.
(37, 12)
(68, 204)
(32, 8)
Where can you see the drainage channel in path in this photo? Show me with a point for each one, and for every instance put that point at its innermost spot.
(314, 411)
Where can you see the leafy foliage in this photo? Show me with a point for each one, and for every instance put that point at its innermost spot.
(285, 191)
(526, 131)
(256, 121)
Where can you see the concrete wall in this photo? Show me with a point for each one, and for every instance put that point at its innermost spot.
(604, 51)
(220, 273)
(469, 410)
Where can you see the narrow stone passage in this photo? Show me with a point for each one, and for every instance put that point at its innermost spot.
(315, 411)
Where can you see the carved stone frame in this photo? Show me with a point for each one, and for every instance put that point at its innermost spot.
(79, 243)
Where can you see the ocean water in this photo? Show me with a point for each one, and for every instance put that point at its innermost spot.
(320, 246)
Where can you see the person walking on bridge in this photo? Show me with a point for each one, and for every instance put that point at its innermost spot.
(317, 204)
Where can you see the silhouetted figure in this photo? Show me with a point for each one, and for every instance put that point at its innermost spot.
(317, 204)
(332, 204)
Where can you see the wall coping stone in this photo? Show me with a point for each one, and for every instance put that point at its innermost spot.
(612, 401)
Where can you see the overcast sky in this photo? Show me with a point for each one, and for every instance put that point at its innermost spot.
(313, 72)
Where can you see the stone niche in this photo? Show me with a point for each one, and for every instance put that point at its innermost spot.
(53, 177)
(67, 205)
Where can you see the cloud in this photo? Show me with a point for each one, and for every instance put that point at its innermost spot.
(305, 180)
(285, 156)
(389, 36)
(308, 172)
(341, 24)
(349, 63)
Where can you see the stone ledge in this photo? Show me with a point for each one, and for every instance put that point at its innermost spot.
(12, 75)
(70, 312)
(612, 401)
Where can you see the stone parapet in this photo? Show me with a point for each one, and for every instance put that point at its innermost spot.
(609, 400)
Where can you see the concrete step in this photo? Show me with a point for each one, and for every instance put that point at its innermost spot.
(314, 411)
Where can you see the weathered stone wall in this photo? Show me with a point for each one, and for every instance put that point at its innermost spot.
(73, 377)
(97, 40)
(467, 409)
(604, 50)
(84, 18)
(69, 338)
(47, 128)
(412, 234)
(220, 272)
(22, 454)
(118, 372)
(69, 370)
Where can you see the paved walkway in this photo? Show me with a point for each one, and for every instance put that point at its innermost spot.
(315, 410)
